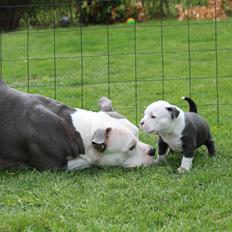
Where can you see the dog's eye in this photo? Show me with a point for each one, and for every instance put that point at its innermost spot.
(132, 147)
(152, 116)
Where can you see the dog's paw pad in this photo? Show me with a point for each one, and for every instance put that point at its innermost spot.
(182, 170)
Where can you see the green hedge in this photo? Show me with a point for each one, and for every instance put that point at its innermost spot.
(44, 13)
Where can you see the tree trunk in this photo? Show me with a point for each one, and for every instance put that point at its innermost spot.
(11, 13)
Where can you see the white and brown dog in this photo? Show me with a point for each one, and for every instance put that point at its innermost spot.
(177, 130)
(42, 133)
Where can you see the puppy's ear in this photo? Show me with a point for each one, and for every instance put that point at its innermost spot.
(99, 140)
(173, 111)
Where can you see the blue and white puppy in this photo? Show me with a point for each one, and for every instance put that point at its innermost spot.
(177, 130)
(42, 133)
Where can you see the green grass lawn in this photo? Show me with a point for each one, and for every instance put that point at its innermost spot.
(134, 68)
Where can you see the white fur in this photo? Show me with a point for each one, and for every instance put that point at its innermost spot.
(122, 136)
(186, 164)
(162, 124)
(78, 164)
(157, 119)
(173, 141)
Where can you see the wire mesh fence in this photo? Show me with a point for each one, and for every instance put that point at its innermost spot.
(133, 64)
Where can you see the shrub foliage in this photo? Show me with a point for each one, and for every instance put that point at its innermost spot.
(45, 13)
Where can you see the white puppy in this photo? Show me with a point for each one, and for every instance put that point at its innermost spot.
(177, 130)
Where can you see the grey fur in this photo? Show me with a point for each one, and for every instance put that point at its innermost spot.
(36, 131)
(105, 104)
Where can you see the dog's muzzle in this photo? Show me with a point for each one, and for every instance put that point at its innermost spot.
(151, 151)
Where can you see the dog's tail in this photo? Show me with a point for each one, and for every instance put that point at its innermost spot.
(192, 104)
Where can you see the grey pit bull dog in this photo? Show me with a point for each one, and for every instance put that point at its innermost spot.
(42, 133)
(177, 130)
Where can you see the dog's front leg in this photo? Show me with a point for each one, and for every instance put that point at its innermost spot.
(78, 164)
(162, 151)
(187, 160)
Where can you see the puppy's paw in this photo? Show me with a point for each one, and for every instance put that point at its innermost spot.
(182, 170)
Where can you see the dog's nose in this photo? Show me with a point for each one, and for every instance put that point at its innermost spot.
(151, 151)
(141, 123)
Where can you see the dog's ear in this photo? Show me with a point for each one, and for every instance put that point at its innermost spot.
(99, 140)
(173, 111)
